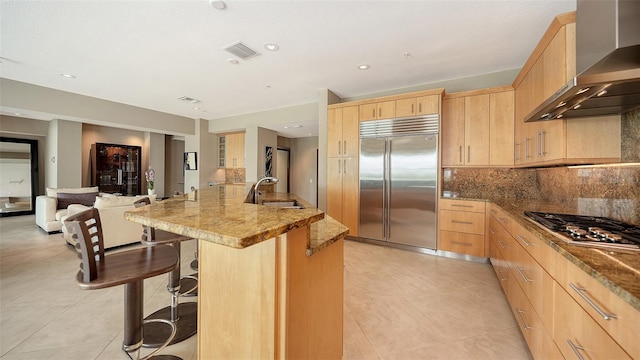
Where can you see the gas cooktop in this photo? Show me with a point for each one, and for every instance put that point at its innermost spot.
(590, 230)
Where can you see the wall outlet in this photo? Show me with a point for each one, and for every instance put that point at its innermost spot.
(212, 183)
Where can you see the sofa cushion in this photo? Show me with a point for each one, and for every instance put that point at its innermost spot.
(66, 199)
(113, 201)
(53, 192)
(60, 213)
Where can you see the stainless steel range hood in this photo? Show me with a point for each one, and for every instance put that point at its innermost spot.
(607, 63)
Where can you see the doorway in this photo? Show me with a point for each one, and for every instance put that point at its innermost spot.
(282, 169)
(18, 176)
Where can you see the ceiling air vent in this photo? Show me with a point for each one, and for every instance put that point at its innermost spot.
(241, 50)
(189, 100)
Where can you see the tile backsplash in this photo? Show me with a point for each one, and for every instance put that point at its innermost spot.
(234, 175)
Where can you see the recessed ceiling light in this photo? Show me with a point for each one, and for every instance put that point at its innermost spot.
(271, 46)
(286, 127)
(217, 4)
(189, 99)
(17, 114)
(68, 76)
(297, 126)
(233, 61)
(363, 67)
(196, 108)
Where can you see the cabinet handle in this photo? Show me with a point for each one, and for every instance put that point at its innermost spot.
(524, 240)
(543, 144)
(339, 148)
(373, 113)
(380, 112)
(344, 147)
(538, 141)
(412, 112)
(420, 107)
(526, 148)
(460, 151)
(501, 244)
(344, 166)
(464, 206)
(469, 154)
(461, 243)
(461, 222)
(339, 167)
(492, 230)
(522, 273)
(502, 278)
(580, 291)
(524, 323)
(576, 349)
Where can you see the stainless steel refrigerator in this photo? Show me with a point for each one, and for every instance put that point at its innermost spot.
(398, 180)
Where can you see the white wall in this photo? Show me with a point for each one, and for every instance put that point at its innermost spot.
(266, 138)
(303, 168)
(206, 146)
(65, 154)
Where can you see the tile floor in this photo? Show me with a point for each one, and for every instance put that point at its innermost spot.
(398, 304)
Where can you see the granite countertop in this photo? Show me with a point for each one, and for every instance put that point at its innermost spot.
(217, 215)
(619, 271)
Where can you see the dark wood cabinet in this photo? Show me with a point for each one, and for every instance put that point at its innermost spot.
(116, 168)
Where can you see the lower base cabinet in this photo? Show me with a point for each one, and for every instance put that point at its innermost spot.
(578, 335)
(543, 292)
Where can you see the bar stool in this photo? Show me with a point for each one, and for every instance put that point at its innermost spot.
(184, 316)
(128, 268)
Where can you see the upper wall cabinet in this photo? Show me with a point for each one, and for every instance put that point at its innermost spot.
(234, 150)
(557, 142)
(375, 111)
(417, 106)
(477, 128)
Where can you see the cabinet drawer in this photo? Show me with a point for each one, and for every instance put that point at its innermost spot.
(536, 284)
(598, 301)
(575, 332)
(461, 243)
(536, 247)
(462, 221)
(504, 242)
(540, 341)
(500, 267)
(462, 205)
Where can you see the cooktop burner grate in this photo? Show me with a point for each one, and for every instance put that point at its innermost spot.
(589, 229)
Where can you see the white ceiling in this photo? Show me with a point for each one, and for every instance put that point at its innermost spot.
(150, 53)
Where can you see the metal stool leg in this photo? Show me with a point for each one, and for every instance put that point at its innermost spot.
(133, 325)
(184, 316)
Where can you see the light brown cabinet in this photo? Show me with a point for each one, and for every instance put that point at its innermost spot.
(553, 142)
(234, 150)
(561, 310)
(342, 166)
(378, 110)
(422, 105)
(461, 227)
(477, 128)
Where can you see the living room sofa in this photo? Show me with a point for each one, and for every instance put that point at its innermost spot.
(116, 230)
(52, 207)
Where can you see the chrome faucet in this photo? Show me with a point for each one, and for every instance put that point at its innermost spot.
(256, 193)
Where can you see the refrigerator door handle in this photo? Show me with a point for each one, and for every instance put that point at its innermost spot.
(387, 193)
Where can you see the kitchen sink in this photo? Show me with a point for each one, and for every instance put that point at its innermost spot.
(284, 204)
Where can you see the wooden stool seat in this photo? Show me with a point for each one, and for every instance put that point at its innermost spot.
(128, 266)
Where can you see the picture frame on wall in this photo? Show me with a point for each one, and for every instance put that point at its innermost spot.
(191, 161)
(268, 161)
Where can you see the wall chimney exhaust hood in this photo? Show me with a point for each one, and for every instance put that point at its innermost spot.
(607, 63)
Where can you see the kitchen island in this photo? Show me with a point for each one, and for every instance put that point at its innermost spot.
(270, 278)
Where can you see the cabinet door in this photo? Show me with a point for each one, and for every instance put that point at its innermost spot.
(406, 107)
(334, 133)
(386, 110)
(350, 132)
(461, 243)
(501, 125)
(229, 155)
(368, 112)
(577, 334)
(334, 187)
(239, 150)
(429, 104)
(452, 131)
(476, 129)
(350, 201)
